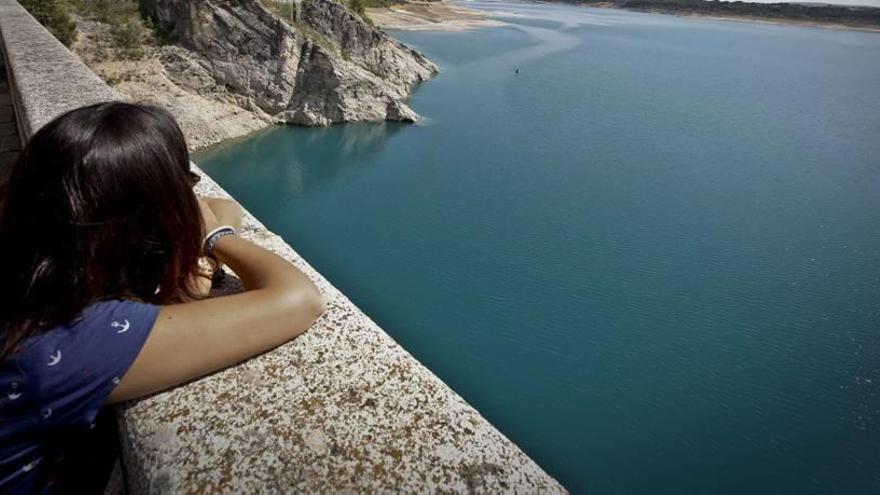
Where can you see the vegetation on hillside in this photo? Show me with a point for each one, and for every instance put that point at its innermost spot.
(55, 15)
(360, 6)
(372, 4)
(382, 3)
(127, 27)
(130, 29)
(287, 10)
(284, 10)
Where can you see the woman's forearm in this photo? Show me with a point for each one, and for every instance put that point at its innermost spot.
(259, 268)
(191, 339)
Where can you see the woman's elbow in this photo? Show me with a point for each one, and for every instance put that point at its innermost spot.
(306, 302)
(315, 302)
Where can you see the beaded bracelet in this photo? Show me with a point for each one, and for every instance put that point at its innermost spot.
(215, 235)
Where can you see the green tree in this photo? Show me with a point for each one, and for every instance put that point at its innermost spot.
(55, 15)
(127, 26)
(359, 6)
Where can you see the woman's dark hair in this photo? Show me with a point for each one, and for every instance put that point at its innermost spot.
(99, 206)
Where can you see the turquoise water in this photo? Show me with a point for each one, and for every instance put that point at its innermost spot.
(652, 258)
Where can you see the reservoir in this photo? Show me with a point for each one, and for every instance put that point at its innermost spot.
(651, 257)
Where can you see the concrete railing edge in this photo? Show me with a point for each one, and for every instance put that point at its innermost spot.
(10, 78)
(23, 37)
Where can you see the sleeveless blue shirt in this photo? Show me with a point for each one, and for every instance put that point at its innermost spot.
(54, 384)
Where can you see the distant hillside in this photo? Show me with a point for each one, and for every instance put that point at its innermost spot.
(842, 15)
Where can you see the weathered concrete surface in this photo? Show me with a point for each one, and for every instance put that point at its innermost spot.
(342, 408)
(44, 71)
(10, 144)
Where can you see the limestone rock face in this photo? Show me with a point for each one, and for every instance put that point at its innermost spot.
(326, 65)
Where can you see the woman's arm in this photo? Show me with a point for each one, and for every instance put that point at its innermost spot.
(196, 338)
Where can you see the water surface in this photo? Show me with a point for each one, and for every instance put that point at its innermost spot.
(651, 258)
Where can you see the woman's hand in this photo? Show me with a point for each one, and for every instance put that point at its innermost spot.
(215, 212)
(209, 219)
(226, 211)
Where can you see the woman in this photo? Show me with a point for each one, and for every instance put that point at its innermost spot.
(101, 300)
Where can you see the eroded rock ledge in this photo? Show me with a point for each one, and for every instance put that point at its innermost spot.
(325, 66)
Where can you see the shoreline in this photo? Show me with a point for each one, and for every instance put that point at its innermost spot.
(449, 15)
(770, 20)
(442, 15)
(780, 21)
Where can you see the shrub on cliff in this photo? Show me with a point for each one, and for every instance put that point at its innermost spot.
(55, 15)
(124, 18)
(359, 6)
(127, 27)
(284, 10)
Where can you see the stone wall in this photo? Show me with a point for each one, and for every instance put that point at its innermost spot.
(342, 408)
(10, 142)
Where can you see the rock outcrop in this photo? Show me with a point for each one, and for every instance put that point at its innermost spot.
(326, 65)
(205, 119)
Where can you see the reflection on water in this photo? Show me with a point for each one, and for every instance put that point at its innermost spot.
(286, 152)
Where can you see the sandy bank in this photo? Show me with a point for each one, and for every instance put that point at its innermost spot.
(430, 16)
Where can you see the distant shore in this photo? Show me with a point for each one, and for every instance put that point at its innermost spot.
(451, 16)
(822, 16)
(430, 16)
(782, 22)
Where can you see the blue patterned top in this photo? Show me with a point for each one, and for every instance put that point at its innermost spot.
(55, 384)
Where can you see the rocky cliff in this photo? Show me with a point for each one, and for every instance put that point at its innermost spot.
(322, 65)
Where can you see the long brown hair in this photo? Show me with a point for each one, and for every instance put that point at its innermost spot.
(99, 207)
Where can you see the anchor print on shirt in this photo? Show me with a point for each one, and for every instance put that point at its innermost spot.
(31, 465)
(14, 393)
(122, 327)
(55, 358)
